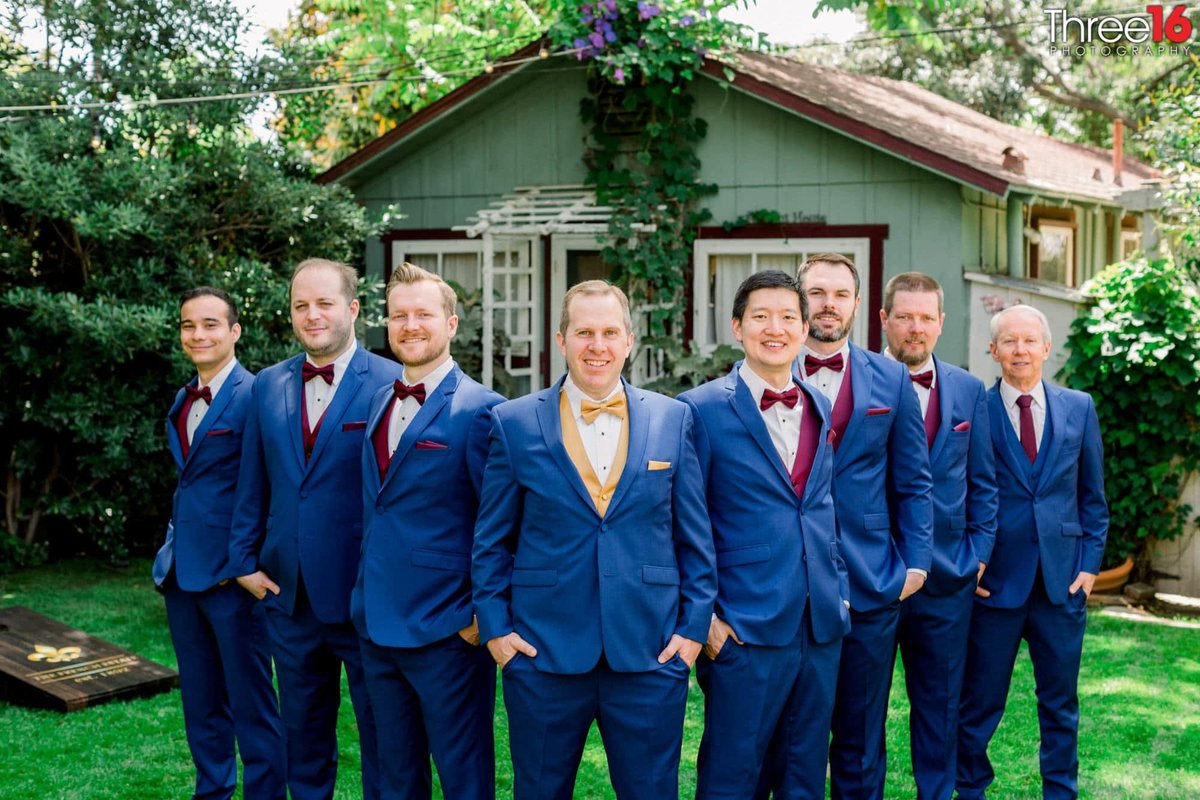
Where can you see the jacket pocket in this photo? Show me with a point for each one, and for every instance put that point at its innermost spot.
(660, 576)
(440, 559)
(1071, 529)
(534, 577)
(876, 522)
(736, 556)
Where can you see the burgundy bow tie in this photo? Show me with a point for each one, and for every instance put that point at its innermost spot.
(403, 390)
(924, 378)
(788, 398)
(812, 363)
(310, 371)
(194, 394)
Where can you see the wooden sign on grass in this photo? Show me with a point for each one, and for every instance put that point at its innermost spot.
(47, 664)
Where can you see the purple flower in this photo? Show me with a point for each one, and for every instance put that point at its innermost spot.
(597, 40)
(647, 10)
(609, 36)
(578, 43)
(619, 75)
(687, 21)
(611, 5)
(587, 19)
(641, 42)
(586, 8)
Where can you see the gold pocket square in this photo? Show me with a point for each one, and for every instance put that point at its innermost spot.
(653, 465)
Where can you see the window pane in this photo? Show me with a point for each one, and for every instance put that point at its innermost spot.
(726, 273)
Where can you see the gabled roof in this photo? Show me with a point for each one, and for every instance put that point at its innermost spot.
(929, 129)
(897, 117)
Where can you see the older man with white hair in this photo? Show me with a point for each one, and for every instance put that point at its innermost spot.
(1051, 529)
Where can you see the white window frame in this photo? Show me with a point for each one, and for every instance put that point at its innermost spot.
(703, 249)
(1046, 227)
(402, 248)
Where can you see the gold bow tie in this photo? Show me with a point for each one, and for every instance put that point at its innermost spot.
(613, 405)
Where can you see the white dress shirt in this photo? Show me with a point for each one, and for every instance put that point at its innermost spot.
(403, 412)
(782, 423)
(318, 394)
(1009, 395)
(200, 406)
(600, 438)
(922, 392)
(827, 381)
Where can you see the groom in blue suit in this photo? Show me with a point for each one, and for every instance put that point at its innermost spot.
(882, 489)
(1051, 530)
(593, 567)
(762, 437)
(297, 528)
(218, 630)
(932, 632)
(432, 687)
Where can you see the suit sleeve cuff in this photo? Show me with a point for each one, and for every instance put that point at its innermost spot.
(924, 573)
(493, 623)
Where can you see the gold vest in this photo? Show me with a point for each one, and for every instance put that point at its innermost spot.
(601, 495)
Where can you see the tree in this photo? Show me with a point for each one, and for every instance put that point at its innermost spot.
(394, 57)
(106, 214)
(995, 56)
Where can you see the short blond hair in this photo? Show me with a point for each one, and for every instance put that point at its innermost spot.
(408, 273)
(593, 288)
(347, 274)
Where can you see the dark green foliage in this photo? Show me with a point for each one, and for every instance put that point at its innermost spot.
(1137, 353)
(105, 217)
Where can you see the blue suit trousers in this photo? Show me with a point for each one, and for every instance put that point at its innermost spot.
(225, 682)
(436, 699)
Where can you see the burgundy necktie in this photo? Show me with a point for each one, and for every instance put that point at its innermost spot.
(1028, 438)
(403, 390)
(193, 394)
(310, 371)
(812, 363)
(789, 398)
(924, 378)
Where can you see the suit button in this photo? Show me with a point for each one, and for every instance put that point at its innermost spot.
(804, 557)
(604, 529)
(379, 508)
(304, 495)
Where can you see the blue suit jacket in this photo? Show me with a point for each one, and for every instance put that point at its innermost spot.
(964, 482)
(198, 535)
(572, 583)
(292, 517)
(881, 484)
(414, 580)
(766, 536)
(1059, 521)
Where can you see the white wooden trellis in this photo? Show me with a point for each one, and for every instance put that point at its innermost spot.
(528, 212)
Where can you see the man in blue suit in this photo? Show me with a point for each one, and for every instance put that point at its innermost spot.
(762, 437)
(932, 632)
(1051, 529)
(593, 567)
(432, 687)
(297, 529)
(218, 630)
(882, 489)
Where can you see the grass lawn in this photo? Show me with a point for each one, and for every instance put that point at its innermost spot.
(1139, 733)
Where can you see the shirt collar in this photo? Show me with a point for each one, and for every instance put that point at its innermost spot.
(1010, 393)
(844, 351)
(757, 385)
(926, 367)
(431, 381)
(575, 395)
(218, 380)
(340, 363)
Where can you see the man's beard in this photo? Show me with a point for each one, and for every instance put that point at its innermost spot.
(913, 358)
(815, 332)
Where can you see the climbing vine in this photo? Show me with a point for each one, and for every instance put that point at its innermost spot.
(641, 154)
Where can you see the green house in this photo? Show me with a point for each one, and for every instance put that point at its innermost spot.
(490, 179)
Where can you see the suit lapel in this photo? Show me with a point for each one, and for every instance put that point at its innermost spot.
(551, 425)
(352, 379)
(377, 417)
(293, 396)
(639, 433)
(944, 386)
(441, 397)
(816, 476)
(751, 417)
(1052, 429)
(228, 389)
(173, 432)
(1004, 441)
(862, 379)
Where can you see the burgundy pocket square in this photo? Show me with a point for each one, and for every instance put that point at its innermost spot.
(220, 432)
(355, 426)
(963, 426)
(427, 445)
(875, 412)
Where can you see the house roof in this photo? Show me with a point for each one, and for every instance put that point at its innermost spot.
(897, 117)
(931, 130)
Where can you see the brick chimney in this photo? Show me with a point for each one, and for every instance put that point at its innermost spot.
(1014, 160)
